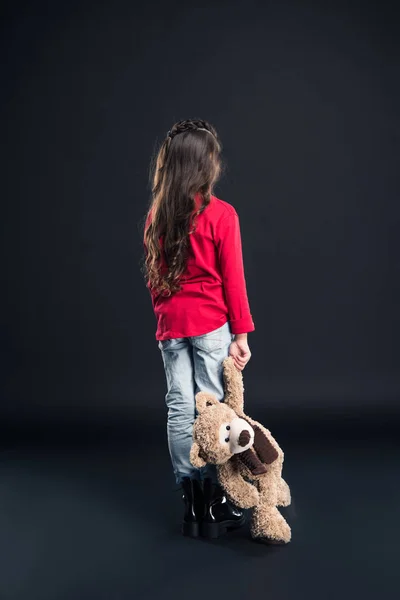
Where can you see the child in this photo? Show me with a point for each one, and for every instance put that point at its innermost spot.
(194, 271)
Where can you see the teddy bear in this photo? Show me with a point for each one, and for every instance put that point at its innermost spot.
(249, 460)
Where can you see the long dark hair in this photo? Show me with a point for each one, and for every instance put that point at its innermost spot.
(187, 164)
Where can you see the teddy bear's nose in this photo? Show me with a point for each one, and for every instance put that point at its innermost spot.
(244, 437)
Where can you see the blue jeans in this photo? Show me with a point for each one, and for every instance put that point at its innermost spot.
(191, 364)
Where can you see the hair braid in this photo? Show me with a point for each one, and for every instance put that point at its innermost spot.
(191, 125)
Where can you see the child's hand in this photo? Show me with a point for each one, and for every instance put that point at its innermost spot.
(240, 352)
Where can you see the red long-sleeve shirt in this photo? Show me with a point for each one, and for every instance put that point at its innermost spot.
(213, 285)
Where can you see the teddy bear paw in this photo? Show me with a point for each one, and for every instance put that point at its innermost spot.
(270, 527)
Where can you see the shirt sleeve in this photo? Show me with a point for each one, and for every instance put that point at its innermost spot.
(229, 247)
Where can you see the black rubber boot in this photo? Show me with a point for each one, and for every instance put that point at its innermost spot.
(194, 506)
(219, 514)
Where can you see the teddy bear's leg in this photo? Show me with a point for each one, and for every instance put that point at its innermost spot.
(268, 525)
(284, 496)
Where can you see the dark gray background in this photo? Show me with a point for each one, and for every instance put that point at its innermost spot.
(305, 97)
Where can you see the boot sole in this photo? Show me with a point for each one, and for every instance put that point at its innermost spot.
(215, 530)
(191, 529)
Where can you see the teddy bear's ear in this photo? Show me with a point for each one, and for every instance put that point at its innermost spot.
(196, 456)
(204, 399)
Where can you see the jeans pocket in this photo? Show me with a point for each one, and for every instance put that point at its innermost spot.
(213, 340)
(170, 343)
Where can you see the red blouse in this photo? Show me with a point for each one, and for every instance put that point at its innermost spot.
(213, 285)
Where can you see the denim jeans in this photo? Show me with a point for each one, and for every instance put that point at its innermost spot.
(191, 364)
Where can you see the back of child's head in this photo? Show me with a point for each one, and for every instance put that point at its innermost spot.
(186, 166)
(188, 161)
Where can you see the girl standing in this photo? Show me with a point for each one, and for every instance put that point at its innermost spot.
(195, 276)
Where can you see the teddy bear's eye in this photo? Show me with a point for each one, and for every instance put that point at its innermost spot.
(228, 426)
(227, 439)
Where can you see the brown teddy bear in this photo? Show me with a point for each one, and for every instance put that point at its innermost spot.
(249, 460)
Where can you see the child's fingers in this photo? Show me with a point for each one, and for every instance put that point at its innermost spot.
(241, 359)
(239, 364)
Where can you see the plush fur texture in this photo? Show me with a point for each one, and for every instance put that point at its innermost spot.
(251, 478)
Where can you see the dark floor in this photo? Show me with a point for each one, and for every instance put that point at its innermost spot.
(98, 517)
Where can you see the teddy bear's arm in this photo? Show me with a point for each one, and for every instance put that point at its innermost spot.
(233, 384)
(241, 492)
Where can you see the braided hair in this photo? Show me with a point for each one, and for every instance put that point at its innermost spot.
(191, 125)
(187, 163)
